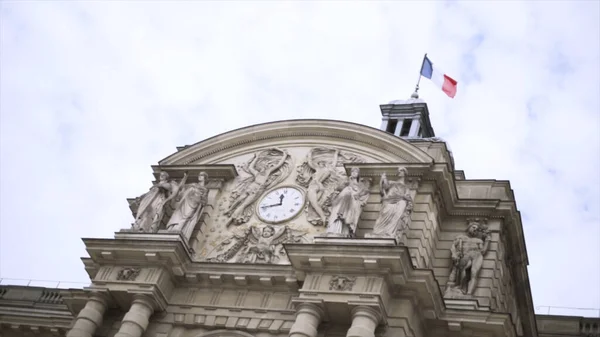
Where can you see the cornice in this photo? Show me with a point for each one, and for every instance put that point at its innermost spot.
(391, 262)
(224, 172)
(151, 250)
(294, 129)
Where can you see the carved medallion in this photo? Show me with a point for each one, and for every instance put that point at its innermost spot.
(128, 274)
(342, 283)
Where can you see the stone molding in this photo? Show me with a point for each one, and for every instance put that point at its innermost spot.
(32, 310)
(294, 129)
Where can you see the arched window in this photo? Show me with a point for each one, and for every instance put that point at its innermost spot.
(225, 333)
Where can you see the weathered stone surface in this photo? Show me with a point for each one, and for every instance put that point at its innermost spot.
(230, 273)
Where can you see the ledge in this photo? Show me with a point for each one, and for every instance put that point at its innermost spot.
(225, 172)
(390, 169)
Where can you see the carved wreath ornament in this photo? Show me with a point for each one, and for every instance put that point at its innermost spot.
(342, 283)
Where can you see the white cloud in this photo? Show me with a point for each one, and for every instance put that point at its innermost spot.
(93, 93)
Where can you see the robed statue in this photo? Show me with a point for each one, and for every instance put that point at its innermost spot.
(347, 206)
(188, 208)
(396, 207)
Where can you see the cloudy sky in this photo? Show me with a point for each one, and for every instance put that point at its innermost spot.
(93, 93)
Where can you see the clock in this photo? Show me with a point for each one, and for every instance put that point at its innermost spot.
(280, 204)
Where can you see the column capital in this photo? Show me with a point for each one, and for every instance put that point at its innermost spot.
(310, 308)
(99, 296)
(145, 300)
(149, 298)
(372, 313)
(309, 314)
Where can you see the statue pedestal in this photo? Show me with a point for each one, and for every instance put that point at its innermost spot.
(332, 240)
(162, 236)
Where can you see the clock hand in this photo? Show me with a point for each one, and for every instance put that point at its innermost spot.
(281, 199)
(267, 206)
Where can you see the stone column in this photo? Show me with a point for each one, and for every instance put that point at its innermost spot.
(137, 318)
(364, 321)
(308, 318)
(90, 317)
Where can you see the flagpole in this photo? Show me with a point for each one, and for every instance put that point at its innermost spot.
(416, 93)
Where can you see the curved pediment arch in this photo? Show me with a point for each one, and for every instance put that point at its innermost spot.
(225, 333)
(376, 144)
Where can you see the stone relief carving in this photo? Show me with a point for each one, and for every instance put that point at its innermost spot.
(128, 274)
(396, 207)
(257, 244)
(346, 207)
(265, 169)
(467, 259)
(342, 283)
(319, 174)
(188, 206)
(149, 208)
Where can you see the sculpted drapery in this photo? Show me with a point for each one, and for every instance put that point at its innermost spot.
(396, 206)
(188, 208)
(347, 206)
(151, 208)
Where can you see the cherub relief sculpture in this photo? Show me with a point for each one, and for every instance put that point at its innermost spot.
(188, 207)
(396, 207)
(319, 174)
(257, 245)
(347, 205)
(467, 259)
(151, 205)
(266, 169)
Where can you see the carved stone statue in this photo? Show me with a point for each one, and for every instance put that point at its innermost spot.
(257, 245)
(264, 170)
(396, 207)
(467, 257)
(150, 210)
(347, 206)
(188, 208)
(320, 176)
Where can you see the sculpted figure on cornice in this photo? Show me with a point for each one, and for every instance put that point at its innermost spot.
(257, 244)
(347, 206)
(319, 174)
(188, 206)
(265, 169)
(151, 205)
(467, 259)
(396, 207)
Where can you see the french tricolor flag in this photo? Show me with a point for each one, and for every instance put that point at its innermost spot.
(437, 76)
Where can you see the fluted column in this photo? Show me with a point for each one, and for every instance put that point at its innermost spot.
(364, 321)
(90, 317)
(136, 320)
(308, 318)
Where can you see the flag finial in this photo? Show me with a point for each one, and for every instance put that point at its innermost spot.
(415, 94)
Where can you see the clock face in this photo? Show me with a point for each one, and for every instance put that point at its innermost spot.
(280, 204)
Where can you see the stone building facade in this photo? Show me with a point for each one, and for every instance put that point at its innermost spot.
(305, 228)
